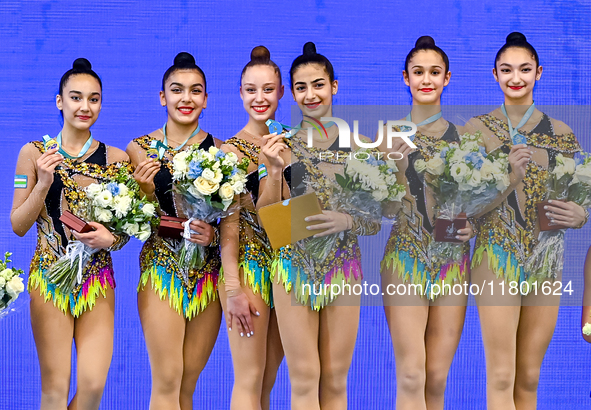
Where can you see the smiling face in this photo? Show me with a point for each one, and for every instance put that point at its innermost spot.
(261, 90)
(313, 90)
(516, 73)
(184, 96)
(80, 101)
(426, 77)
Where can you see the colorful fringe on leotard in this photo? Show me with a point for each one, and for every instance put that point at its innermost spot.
(97, 276)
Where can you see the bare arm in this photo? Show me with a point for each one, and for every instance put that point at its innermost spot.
(29, 201)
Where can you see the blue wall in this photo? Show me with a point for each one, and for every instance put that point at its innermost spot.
(130, 45)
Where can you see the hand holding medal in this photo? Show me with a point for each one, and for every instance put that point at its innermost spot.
(520, 154)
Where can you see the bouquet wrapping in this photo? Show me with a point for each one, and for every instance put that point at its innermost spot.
(367, 183)
(118, 206)
(11, 285)
(568, 180)
(207, 182)
(464, 179)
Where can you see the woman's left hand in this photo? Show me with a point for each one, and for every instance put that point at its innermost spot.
(566, 213)
(204, 235)
(100, 238)
(332, 222)
(466, 233)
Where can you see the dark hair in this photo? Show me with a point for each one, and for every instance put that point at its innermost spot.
(260, 55)
(517, 40)
(426, 43)
(310, 56)
(79, 66)
(183, 61)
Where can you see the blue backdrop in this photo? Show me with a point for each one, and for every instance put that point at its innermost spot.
(131, 44)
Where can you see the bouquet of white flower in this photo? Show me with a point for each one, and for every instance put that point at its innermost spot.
(367, 183)
(207, 181)
(464, 179)
(118, 206)
(568, 180)
(587, 329)
(11, 284)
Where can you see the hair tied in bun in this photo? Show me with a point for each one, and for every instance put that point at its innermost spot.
(260, 54)
(425, 41)
(309, 49)
(516, 38)
(81, 64)
(184, 60)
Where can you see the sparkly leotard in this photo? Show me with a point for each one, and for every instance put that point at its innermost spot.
(293, 267)
(158, 258)
(67, 193)
(254, 255)
(406, 250)
(509, 233)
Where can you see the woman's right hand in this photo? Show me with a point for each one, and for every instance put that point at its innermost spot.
(272, 148)
(144, 175)
(519, 157)
(239, 310)
(46, 164)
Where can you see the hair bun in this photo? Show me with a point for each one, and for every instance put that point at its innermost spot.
(425, 41)
(309, 49)
(81, 64)
(516, 38)
(184, 60)
(260, 53)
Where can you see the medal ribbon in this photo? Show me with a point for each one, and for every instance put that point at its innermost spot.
(514, 131)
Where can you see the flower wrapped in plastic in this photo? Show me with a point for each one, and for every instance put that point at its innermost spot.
(119, 207)
(11, 285)
(367, 183)
(568, 180)
(464, 180)
(207, 181)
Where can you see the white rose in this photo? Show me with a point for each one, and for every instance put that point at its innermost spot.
(559, 171)
(204, 186)
(231, 157)
(180, 165)
(148, 209)
(15, 286)
(226, 192)
(2, 282)
(216, 165)
(132, 229)
(435, 166)
(380, 195)
(503, 182)
(103, 215)
(213, 150)
(6, 274)
(238, 187)
(459, 171)
(569, 166)
(582, 174)
(144, 232)
(475, 179)
(420, 165)
(207, 156)
(208, 174)
(587, 329)
(487, 171)
(122, 205)
(93, 190)
(104, 199)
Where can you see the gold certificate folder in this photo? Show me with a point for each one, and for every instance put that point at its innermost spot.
(284, 221)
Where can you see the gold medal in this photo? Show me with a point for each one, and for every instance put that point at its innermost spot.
(152, 153)
(51, 144)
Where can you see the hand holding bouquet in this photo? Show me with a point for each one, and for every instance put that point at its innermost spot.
(207, 181)
(367, 183)
(569, 180)
(116, 205)
(464, 179)
(11, 284)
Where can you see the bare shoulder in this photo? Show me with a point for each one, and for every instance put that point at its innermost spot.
(116, 154)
